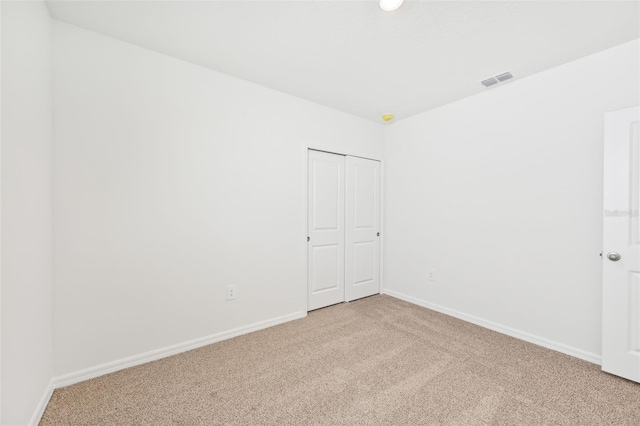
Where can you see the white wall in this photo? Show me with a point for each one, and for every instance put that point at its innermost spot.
(26, 211)
(501, 193)
(171, 182)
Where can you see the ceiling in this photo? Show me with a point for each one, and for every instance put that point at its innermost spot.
(354, 57)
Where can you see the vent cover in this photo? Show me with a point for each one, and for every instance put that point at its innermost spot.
(492, 81)
(504, 77)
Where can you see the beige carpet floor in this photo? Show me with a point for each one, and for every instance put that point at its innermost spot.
(376, 361)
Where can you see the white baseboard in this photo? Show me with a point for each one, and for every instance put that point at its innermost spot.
(42, 405)
(531, 338)
(120, 364)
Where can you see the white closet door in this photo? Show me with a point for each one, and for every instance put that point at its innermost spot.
(325, 248)
(362, 259)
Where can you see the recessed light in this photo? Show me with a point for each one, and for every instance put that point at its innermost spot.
(390, 5)
(387, 117)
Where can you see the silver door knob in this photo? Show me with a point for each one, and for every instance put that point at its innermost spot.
(614, 256)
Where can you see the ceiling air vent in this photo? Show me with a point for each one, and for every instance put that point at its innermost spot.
(497, 79)
(504, 77)
(490, 82)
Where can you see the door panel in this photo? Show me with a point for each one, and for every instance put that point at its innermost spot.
(634, 311)
(327, 262)
(635, 183)
(621, 277)
(364, 186)
(327, 178)
(325, 249)
(362, 261)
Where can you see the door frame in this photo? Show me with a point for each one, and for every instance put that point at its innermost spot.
(305, 181)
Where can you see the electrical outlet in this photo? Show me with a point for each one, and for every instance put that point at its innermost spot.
(231, 292)
(432, 274)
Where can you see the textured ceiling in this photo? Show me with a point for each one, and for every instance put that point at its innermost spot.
(352, 56)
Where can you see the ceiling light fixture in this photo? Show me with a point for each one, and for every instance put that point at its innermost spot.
(387, 117)
(389, 5)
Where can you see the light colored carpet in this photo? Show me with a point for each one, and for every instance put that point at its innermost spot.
(376, 361)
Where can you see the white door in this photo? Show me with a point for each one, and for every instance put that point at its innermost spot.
(362, 259)
(621, 245)
(325, 247)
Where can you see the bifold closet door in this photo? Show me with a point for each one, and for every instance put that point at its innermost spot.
(362, 257)
(325, 222)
